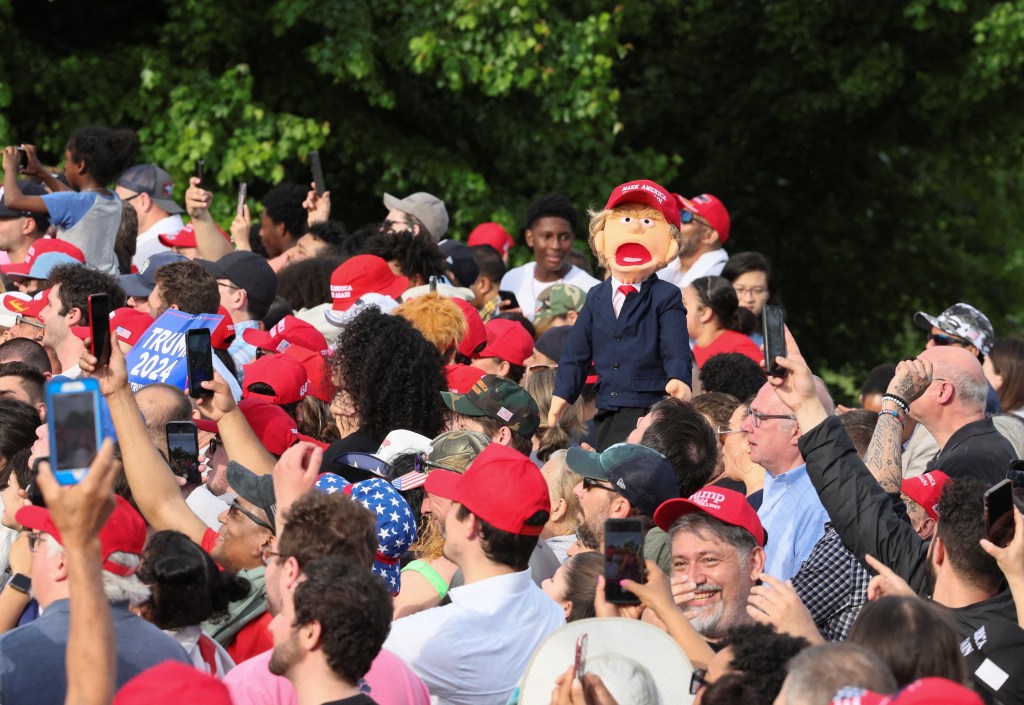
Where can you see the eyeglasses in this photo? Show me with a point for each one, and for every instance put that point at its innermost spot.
(752, 290)
(33, 540)
(235, 506)
(21, 319)
(267, 553)
(131, 198)
(725, 430)
(758, 417)
(942, 339)
(229, 285)
(698, 680)
(590, 483)
(389, 225)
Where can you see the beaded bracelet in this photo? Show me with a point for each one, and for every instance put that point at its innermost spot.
(899, 401)
(893, 413)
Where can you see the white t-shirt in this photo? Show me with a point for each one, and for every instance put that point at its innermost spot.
(148, 243)
(520, 282)
(709, 264)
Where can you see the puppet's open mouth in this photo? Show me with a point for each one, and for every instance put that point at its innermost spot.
(632, 254)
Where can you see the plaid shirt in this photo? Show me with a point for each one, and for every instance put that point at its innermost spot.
(833, 585)
(490, 309)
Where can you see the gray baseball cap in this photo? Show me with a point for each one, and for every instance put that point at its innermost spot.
(151, 179)
(428, 209)
(961, 321)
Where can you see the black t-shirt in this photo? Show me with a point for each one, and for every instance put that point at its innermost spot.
(361, 699)
(976, 450)
(993, 648)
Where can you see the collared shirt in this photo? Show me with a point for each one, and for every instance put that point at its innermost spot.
(475, 650)
(709, 264)
(618, 297)
(242, 352)
(792, 515)
(490, 309)
(833, 585)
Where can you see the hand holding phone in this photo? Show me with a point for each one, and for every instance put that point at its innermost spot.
(998, 504)
(773, 319)
(580, 666)
(183, 451)
(74, 427)
(242, 190)
(199, 359)
(99, 326)
(623, 559)
(201, 172)
(509, 296)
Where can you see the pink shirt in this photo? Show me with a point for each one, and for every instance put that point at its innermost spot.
(389, 682)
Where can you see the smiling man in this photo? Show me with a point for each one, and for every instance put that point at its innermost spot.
(717, 555)
(550, 230)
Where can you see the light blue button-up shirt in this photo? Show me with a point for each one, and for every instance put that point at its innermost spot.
(792, 515)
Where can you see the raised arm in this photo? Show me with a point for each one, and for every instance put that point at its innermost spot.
(240, 442)
(210, 243)
(154, 487)
(13, 197)
(884, 456)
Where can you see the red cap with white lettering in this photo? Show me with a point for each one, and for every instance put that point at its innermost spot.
(925, 490)
(649, 194)
(728, 506)
(284, 374)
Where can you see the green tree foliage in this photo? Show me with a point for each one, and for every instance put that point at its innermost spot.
(872, 149)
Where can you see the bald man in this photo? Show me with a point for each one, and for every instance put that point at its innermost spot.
(952, 408)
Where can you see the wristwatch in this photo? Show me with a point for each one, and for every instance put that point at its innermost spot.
(20, 582)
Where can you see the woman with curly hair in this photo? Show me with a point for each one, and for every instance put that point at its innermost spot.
(416, 258)
(388, 377)
(187, 588)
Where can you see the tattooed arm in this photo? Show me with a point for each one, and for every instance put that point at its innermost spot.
(883, 456)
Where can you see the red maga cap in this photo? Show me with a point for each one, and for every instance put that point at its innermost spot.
(710, 209)
(284, 374)
(507, 340)
(186, 237)
(318, 373)
(125, 531)
(502, 487)
(649, 194)
(364, 274)
(491, 234)
(289, 331)
(129, 324)
(223, 335)
(476, 334)
(461, 378)
(271, 424)
(926, 691)
(42, 246)
(925, 490)
(728, 506)
(172, 683)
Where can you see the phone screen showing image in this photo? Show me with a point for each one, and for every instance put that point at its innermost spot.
(623, 558)
(199, 354)
(73, 427)
(183, 451)
(773, 319)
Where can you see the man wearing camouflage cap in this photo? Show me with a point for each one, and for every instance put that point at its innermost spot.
(498, 408)
(962, 326)
(558, 305)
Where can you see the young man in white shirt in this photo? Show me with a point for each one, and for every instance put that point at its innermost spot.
(475, 650)
(550, 230)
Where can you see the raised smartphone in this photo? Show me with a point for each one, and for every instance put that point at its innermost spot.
(99, 325)
(998, 502)
(183, 451)
(623, 559)
(773, 320)
(199, 359)
(318, 173)
(74, 427)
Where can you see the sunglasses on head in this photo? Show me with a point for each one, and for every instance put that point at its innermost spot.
(420, 463)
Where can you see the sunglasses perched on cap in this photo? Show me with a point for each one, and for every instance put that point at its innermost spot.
(420, 463)
(943, 339)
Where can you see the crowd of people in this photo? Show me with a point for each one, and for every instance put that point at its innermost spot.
(409, 453)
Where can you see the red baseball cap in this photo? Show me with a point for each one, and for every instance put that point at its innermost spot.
(727, 506)
(285, 375)
(925, 490)
(287, 332)
(491, 234)
(222, 336)
(710, 209)
(501, 486)
(476, 334)
(186, 237)
(926, 691)
(41, 246)
(364, 274)
(508, 341)
(271, 424)
(318, 373)
(129, 324)
(34, 307)
(461, 378)
(649, 194)
(172, 683)
(124, 531)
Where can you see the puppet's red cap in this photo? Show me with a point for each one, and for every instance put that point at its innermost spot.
(649, 194)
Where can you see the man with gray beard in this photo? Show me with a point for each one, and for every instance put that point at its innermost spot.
(717, 557)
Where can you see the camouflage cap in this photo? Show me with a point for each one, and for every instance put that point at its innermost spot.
(501, 399)
(455, 450)
(558, 300)
(961, 321)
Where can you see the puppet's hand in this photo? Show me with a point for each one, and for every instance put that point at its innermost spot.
(678, 389)
(555, 411)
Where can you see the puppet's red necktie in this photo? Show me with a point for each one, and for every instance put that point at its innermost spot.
(627, 289)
